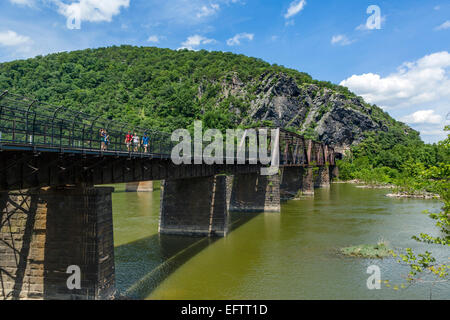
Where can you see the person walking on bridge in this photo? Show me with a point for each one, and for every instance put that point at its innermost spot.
(103, 139)
(136, 142)
(145, 142)
(128, 139)
(106, 140)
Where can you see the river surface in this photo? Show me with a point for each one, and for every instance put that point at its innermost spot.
(292, 255)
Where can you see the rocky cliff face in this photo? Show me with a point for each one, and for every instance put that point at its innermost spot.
(327, 115)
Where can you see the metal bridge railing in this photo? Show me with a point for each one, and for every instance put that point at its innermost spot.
(26, 122)
(29, 122)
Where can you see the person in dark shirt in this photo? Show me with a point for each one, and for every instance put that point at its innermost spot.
(145, 142)
(103, 137)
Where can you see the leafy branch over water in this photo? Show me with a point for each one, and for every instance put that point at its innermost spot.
(421, 264)
(413, 168)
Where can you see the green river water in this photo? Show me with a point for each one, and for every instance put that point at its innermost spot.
(292, 255)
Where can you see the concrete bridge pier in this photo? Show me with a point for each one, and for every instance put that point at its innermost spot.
(308, 182)
(254, 193)
(195, 207)
(322, 178)
(291, 182)
(46, 233)
(334, 172)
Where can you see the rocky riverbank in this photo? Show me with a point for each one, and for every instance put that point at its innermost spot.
(363, 185)
(398, 195)
(405, 195)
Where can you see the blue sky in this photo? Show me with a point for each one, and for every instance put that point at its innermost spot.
(403, 67)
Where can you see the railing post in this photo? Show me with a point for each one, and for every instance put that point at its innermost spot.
(33, 130)
(60, 134)
(14, 131)
(82, 137)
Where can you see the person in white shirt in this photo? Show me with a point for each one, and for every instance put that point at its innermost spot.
(136, 142)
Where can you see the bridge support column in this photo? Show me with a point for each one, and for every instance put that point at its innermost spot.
(44, 232)
(334, 172)
(308, 182)
(291, 182)
(322, 179)
(143, 186)
(195, 206)
(255, 193)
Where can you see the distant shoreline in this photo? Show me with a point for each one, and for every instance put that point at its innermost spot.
(398, 195)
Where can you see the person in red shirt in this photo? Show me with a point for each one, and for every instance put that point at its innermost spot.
(128, 139)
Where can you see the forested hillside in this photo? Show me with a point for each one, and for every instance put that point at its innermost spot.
(166, 89)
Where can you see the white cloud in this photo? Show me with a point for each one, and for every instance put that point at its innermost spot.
(423, 81)
(91, 10)
(444, 26)
(341, 39)
(195, 41)
(12, 39)
(153, 38)
(437, 8)
(236, 40)
(294, 8)
(206, 11)
(423, 117)
(29, 3)
(419, 87)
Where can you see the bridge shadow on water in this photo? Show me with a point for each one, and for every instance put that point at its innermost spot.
(144, 264)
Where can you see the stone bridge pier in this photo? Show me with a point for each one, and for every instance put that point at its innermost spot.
(297, 182)
(45, 231)
(322, 178)
(196, 206)
(254, 193)
(291, 182)
(301, 181)
(334, 172)
(200, 206)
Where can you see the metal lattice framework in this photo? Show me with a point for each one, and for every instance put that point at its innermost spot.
(296, 150)
(29, 123)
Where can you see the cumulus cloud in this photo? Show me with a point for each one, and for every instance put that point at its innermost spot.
(423, 117)
(12, 39)
(153, 38)
(421, 86)
(294, 8)
(236, 40)
(90, 10)
(341, 40)
(444, 26)
(206, 11)
(193, 42)
(423, 81)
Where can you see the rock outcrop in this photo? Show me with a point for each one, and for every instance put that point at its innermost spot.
(330, 116)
